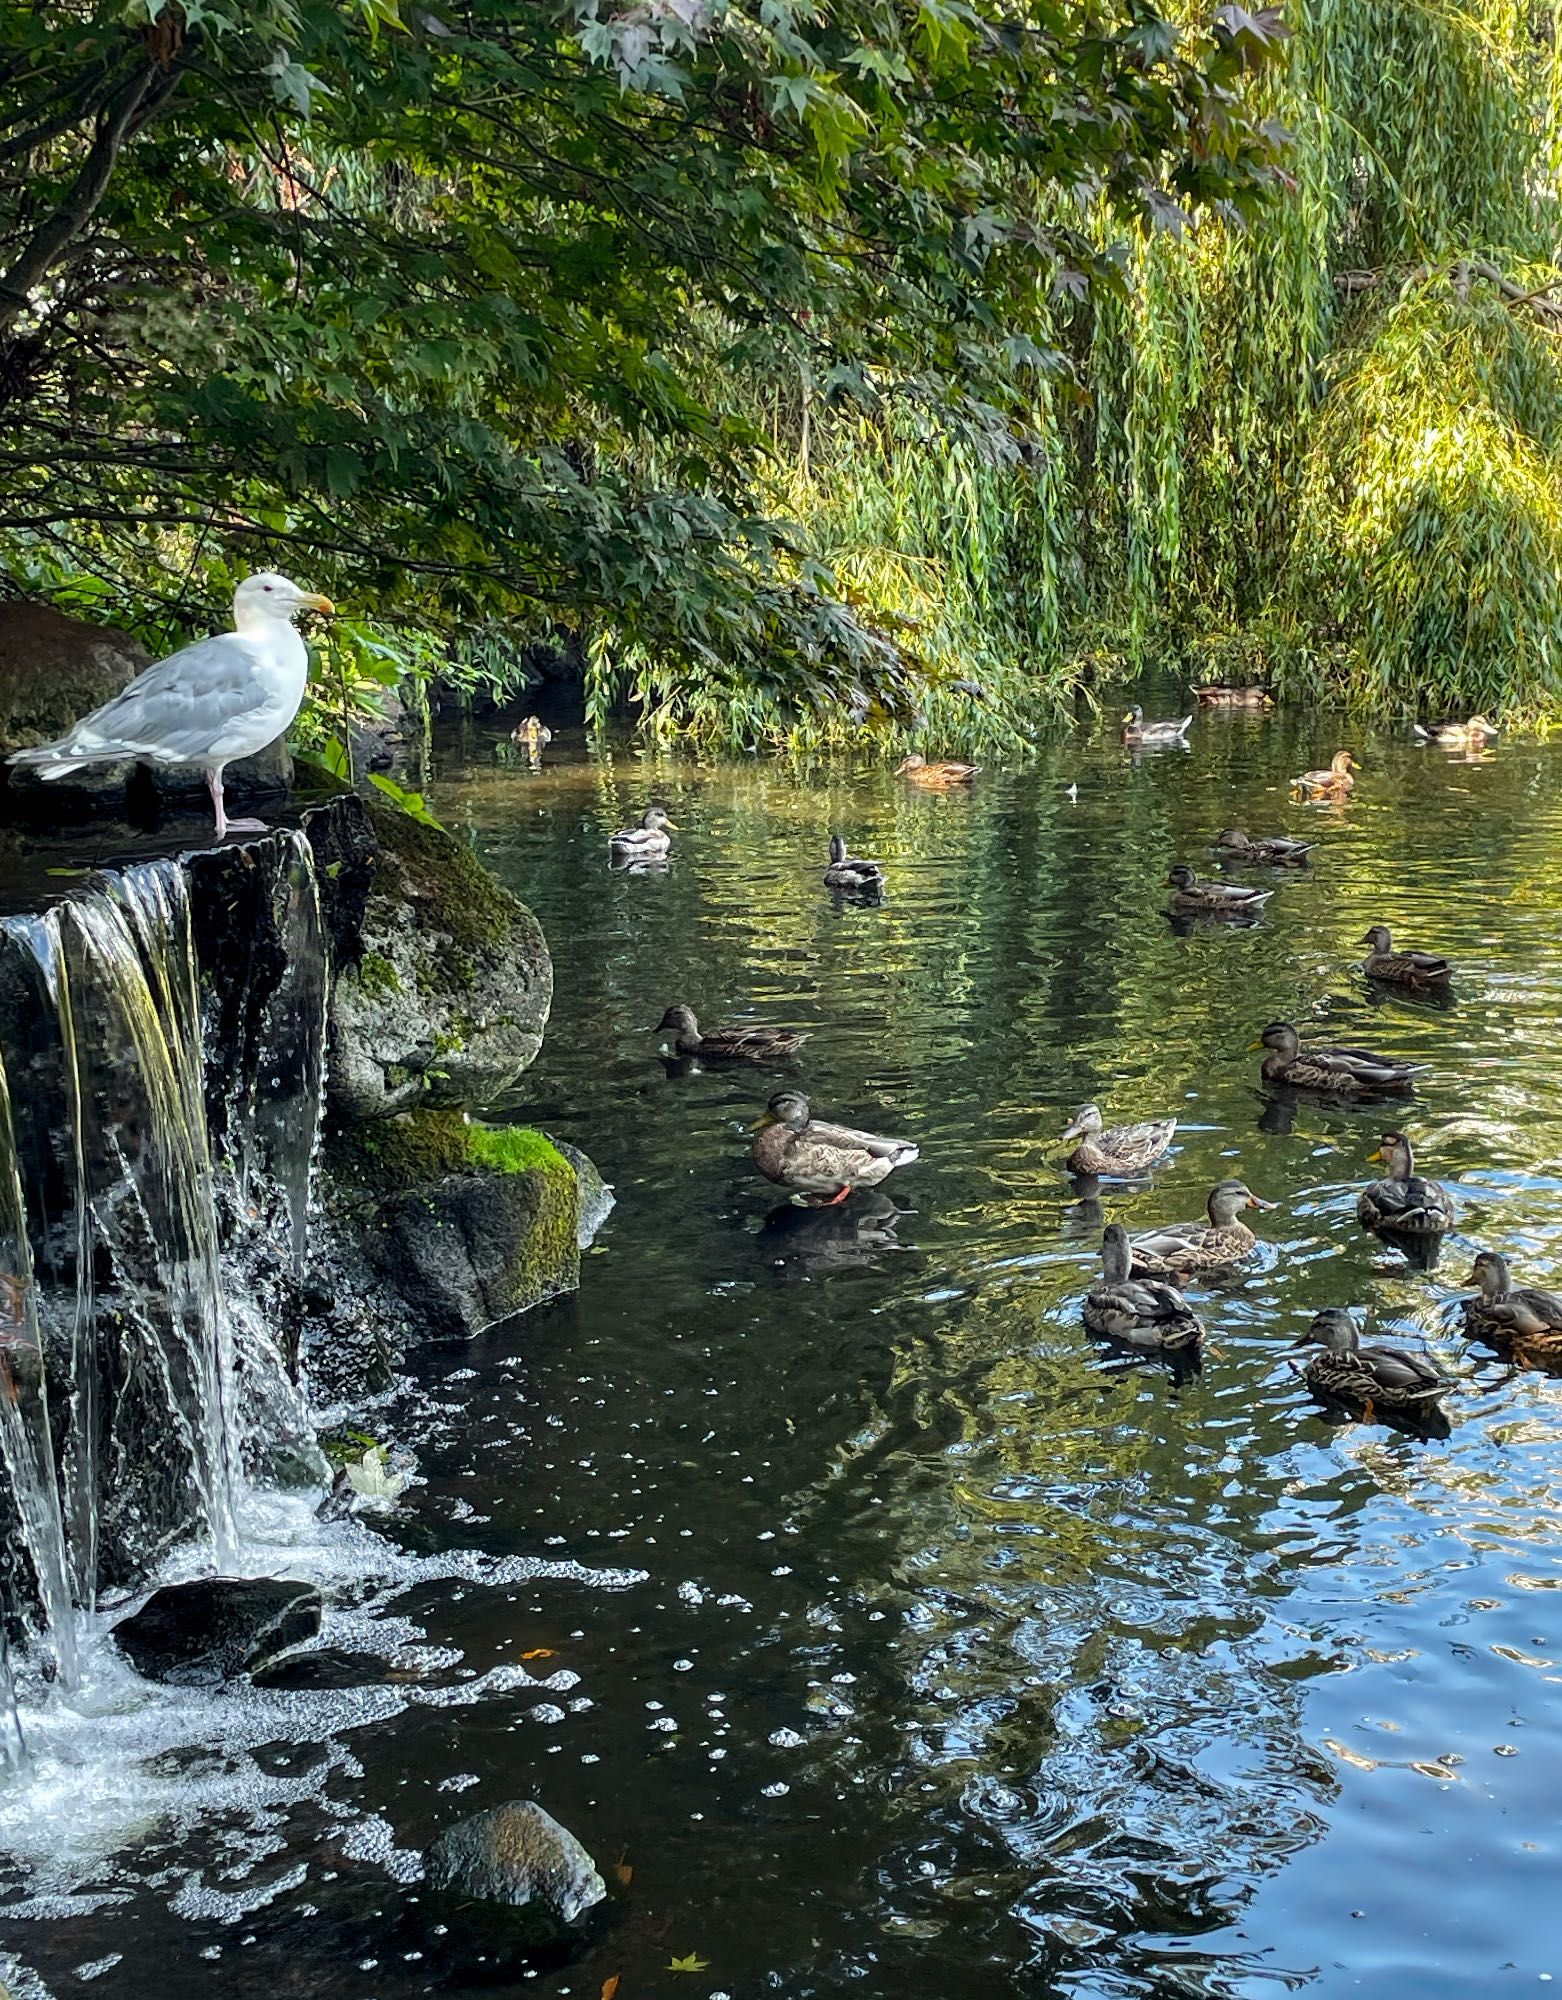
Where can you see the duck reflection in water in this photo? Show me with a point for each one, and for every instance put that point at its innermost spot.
(1085, 1215)
(804, 1242)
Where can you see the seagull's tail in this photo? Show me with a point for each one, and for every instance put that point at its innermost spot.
(61, 758)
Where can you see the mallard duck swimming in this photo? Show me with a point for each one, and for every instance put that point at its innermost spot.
(752, 1043)
(1272, 852)
(935, 777)
(1471, 735)
(846, 873)
(1369, 1381)
(647, 840)
(1335, 783)
(820, 1161)
(1519, 1321)
(1343, 1072)
(1184, 1248)
(1137, 730)
(1403, 1203)
(1415, 969)
(1214, 899)
(1121, 1152)
(1233, 697)
(1136, 1312)
(531, 734)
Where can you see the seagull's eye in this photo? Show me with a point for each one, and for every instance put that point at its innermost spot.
(266, 587)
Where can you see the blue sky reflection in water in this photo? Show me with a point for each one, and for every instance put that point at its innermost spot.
(963, 1661)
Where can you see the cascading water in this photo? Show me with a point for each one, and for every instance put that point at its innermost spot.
(166, 1085)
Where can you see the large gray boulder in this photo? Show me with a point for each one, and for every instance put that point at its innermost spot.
(444, 1001)
(518, 1855)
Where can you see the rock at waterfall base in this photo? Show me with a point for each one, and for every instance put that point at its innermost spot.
(519, 1856)
(202, 1633)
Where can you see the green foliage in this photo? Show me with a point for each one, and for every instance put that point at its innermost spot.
(439, 308)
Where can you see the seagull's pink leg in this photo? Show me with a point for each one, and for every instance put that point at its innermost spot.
(225, 826)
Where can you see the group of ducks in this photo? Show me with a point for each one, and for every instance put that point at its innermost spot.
(1139, 1302)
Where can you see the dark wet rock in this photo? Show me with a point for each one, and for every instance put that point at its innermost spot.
(198, 1634)
(325, 1667)
(517, 1855)
(54, 668)
(444, 1000)
(596, 1197)
(466, 1223)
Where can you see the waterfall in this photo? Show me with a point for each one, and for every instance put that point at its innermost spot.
(164, 1034)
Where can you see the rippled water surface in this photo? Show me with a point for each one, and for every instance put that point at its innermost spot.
(899, 1643)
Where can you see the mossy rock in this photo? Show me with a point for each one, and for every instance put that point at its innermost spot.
(443, 999)
(467, 1223)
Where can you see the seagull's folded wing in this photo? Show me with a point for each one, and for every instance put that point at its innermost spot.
(185, 709)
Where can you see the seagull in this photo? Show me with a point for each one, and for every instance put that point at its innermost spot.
(208, 704)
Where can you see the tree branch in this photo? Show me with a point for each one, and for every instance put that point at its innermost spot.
(129, 109)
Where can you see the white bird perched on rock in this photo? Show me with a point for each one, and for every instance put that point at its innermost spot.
(208, 704)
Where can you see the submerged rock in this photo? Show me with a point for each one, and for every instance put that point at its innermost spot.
(519, 1855)
(325, 1667)
(198, 1634)
(444, 998)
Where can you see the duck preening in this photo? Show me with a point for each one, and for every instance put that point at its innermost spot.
(1522, 1322)
(1144, 1313)
(818, 1160)
(531, 734)
(647, 840)
(752, 1042)
(1213, 899)
(1471, 735)
(1415, 969)
(941, 777)
(1272, 852)
(1137, 730)
(1118, 1152)
(1340, 1072)
(1403, 1203)
(1334, 783)
(1216, 1244)
(1371, 1382)
(845, 872)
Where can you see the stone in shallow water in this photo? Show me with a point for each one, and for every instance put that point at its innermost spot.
(197, 1634)
(519, 1855)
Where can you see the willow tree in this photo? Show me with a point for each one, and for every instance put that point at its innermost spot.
(440, 303)
(1330, 445)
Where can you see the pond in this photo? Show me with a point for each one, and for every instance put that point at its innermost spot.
(874, 1629)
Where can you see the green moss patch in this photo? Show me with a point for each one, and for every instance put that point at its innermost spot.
(515, 1149)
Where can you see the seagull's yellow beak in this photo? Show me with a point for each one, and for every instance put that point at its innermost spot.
(313, 601)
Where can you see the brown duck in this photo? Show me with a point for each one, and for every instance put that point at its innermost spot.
(1419, 970)
(753, 1042)
(945, 777)
(1523, 1323)
(820, 1161)
(1335, 783)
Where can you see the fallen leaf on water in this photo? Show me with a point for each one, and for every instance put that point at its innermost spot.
(539, 1653)
(623, 1870)
(66, 871)
(693, 1963)
(609, 1987)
